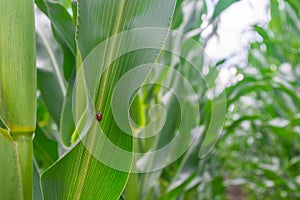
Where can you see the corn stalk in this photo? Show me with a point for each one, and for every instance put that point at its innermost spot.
(18, 81)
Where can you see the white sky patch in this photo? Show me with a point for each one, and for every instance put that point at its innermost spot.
(234, 32)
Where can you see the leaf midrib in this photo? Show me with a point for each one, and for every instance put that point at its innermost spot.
(86, 155)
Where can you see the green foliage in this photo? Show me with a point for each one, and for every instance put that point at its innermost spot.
(258, 150)
(78, 171)
(261, 136)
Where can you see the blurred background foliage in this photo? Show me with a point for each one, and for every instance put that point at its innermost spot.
(258, 153)
(259, 149)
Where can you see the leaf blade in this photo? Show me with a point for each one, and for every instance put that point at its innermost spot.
(83, 173)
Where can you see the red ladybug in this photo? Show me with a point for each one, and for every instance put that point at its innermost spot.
(99, 116)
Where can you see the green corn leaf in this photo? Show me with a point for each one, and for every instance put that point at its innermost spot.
(65, 3)
(50, 77)
(67, 125)
(178, 15)
(63, 31)
(78, 174)
(45, 149)
(51, 93)
(49, 61)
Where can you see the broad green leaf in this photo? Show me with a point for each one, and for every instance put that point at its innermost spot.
(132, 188)
(61, 21)
(67, 125)
(79, 174)
(178, 15)
(74, 10)
(63, 31)
(49, 61)
(51, 92)
(65, 3)
(45, 150)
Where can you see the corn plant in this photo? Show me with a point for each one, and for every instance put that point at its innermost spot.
(84, 49)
